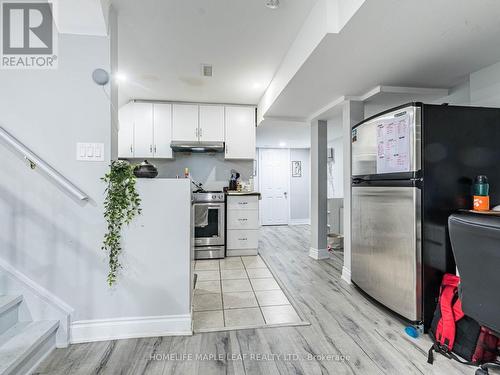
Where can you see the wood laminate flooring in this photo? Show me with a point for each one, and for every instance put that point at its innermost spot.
(348, 333)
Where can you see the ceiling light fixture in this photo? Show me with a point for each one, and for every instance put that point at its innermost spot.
(282, 144)
(273, 4)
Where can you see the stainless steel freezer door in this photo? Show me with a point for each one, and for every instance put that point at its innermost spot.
(386, 246)
(364, 141)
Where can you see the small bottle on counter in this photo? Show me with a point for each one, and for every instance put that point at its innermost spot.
(481, 194)
(186, 172)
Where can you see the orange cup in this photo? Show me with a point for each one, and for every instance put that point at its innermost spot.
(481, 203)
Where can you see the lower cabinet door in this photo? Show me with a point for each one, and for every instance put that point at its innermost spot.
(242, 219)
(242, 239)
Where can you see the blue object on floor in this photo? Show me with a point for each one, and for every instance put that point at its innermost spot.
(412, 332)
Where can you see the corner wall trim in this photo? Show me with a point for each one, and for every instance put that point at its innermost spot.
(346, 275)
(319, 254)
(133, 327)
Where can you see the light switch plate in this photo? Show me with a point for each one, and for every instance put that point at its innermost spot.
(90, 151)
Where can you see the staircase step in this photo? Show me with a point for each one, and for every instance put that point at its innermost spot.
(9, 311)
(6, 302)
(25, 344)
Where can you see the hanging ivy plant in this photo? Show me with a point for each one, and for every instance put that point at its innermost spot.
(121, 205)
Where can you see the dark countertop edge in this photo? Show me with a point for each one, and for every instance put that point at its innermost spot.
(243, 193)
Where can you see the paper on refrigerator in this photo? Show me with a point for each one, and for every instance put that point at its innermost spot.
(393, 145)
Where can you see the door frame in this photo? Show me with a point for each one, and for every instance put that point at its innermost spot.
(289, 172)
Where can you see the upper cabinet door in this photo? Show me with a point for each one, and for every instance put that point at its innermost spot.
(126, 131)
(240, 132)
(185, 122)
(162, 130)
(143, 130)
(211, 123)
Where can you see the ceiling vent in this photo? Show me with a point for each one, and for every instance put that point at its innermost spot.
(206, 70)
(273, 4)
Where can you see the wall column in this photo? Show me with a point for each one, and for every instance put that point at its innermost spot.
(352, 114)
(319, 199)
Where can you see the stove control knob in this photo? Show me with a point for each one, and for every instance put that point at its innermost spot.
(213, 197)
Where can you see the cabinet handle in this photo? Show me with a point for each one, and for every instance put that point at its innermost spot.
(196, 131)
(201, 132)
(242, 219)
(131, 149)
(242, 202)
(243, 239)
(155, 149)
(151, 148)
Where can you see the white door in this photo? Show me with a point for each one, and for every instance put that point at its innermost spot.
(143, 130)
(162, 129)
(211, 123)
(126, 131)
(185, 122)
(274, 184)
(240, 132)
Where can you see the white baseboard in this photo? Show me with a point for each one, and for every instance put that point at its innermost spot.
(319, 254)
(299, 222)
(346, 275)
(126, 328)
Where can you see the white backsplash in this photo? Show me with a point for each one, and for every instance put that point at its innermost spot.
(212, 170)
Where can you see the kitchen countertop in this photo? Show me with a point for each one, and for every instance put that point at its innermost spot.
(238, 193)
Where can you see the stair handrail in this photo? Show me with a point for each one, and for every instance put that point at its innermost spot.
(35, 161)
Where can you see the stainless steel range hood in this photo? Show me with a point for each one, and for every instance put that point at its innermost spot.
(198, 147)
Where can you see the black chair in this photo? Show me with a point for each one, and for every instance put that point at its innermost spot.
(475, 239)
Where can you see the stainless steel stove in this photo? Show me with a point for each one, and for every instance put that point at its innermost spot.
(209, 221)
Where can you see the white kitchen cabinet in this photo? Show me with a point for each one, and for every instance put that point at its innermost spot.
(240, 132)
(126, 131)
(242, 225)
(162, 130)
(211, 126)
(185, 119)
(143, 130)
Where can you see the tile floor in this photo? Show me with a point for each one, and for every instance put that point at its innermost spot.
(239, 292)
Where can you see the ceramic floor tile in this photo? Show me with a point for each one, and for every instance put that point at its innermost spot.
(207, 275)
(243, 317)
(239, 300)
(242, 285)
(231, 263)
(208, 320)
(204, 287)
(264, 284)
(233, 274)
(207, 265)
(253, 261)
(280, 314)
(259, 273)
(271, 298)
(206, 302)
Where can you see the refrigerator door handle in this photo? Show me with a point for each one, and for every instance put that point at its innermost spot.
(357, 180)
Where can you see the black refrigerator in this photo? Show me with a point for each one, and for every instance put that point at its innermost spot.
(412, 166)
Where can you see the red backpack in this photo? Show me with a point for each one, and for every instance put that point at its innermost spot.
(455, 334)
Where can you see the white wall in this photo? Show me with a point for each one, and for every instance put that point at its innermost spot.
(300, 197)
(45, 233)
(283, 134)
(336, 169)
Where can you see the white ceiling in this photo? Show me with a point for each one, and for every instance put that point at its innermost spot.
(162, 45)
(392, 42)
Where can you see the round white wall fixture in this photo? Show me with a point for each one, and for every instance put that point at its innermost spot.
(273, 4)
(100, 76)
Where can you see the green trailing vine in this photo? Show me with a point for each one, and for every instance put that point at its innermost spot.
(121, 205)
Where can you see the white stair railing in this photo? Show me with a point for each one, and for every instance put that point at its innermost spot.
(37, 162)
